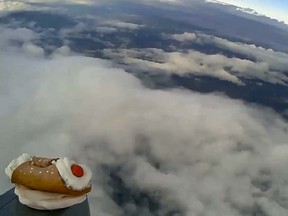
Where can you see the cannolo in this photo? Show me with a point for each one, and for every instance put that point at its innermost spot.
(58, 178)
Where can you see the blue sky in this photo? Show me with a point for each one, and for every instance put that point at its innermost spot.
(273, 8)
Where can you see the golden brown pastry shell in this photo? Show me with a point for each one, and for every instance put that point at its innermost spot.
(41, 174)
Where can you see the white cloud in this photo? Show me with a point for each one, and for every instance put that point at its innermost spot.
(64, 51)
(193, 62)
(20, 40)
(215, 155)
(7, 36)
(33, 50)
(186, 36)
(99, 25)
(7, 6)
(12, 6)
(264, 64)
(215, 1)
(121, 25)
(275, 60)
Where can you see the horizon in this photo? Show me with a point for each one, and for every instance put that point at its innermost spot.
(274, 9)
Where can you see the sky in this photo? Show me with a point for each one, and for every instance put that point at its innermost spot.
(273, 8)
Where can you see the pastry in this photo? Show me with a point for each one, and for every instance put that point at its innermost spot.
(51, 180)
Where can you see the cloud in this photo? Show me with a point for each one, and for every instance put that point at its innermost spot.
(20, 35)
(194, 62)
(64, 51)
(186, 36)
(121, 25)
(255, 62)
(12, 5)
(276, 61)
(8, 6)
(97, 24)
(193, 154)
(12, 39)
(34, 50)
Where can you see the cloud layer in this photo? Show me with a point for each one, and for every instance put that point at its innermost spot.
(256, 62)
(195, 154)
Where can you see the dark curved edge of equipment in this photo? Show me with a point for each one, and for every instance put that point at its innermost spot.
(10, 206)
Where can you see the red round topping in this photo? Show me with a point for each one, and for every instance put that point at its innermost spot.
(77, 170)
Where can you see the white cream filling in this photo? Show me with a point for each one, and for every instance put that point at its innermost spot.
(17, 162)
(76, 183)
(44, 200)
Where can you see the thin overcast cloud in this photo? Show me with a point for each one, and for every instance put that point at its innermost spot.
(194, 154)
